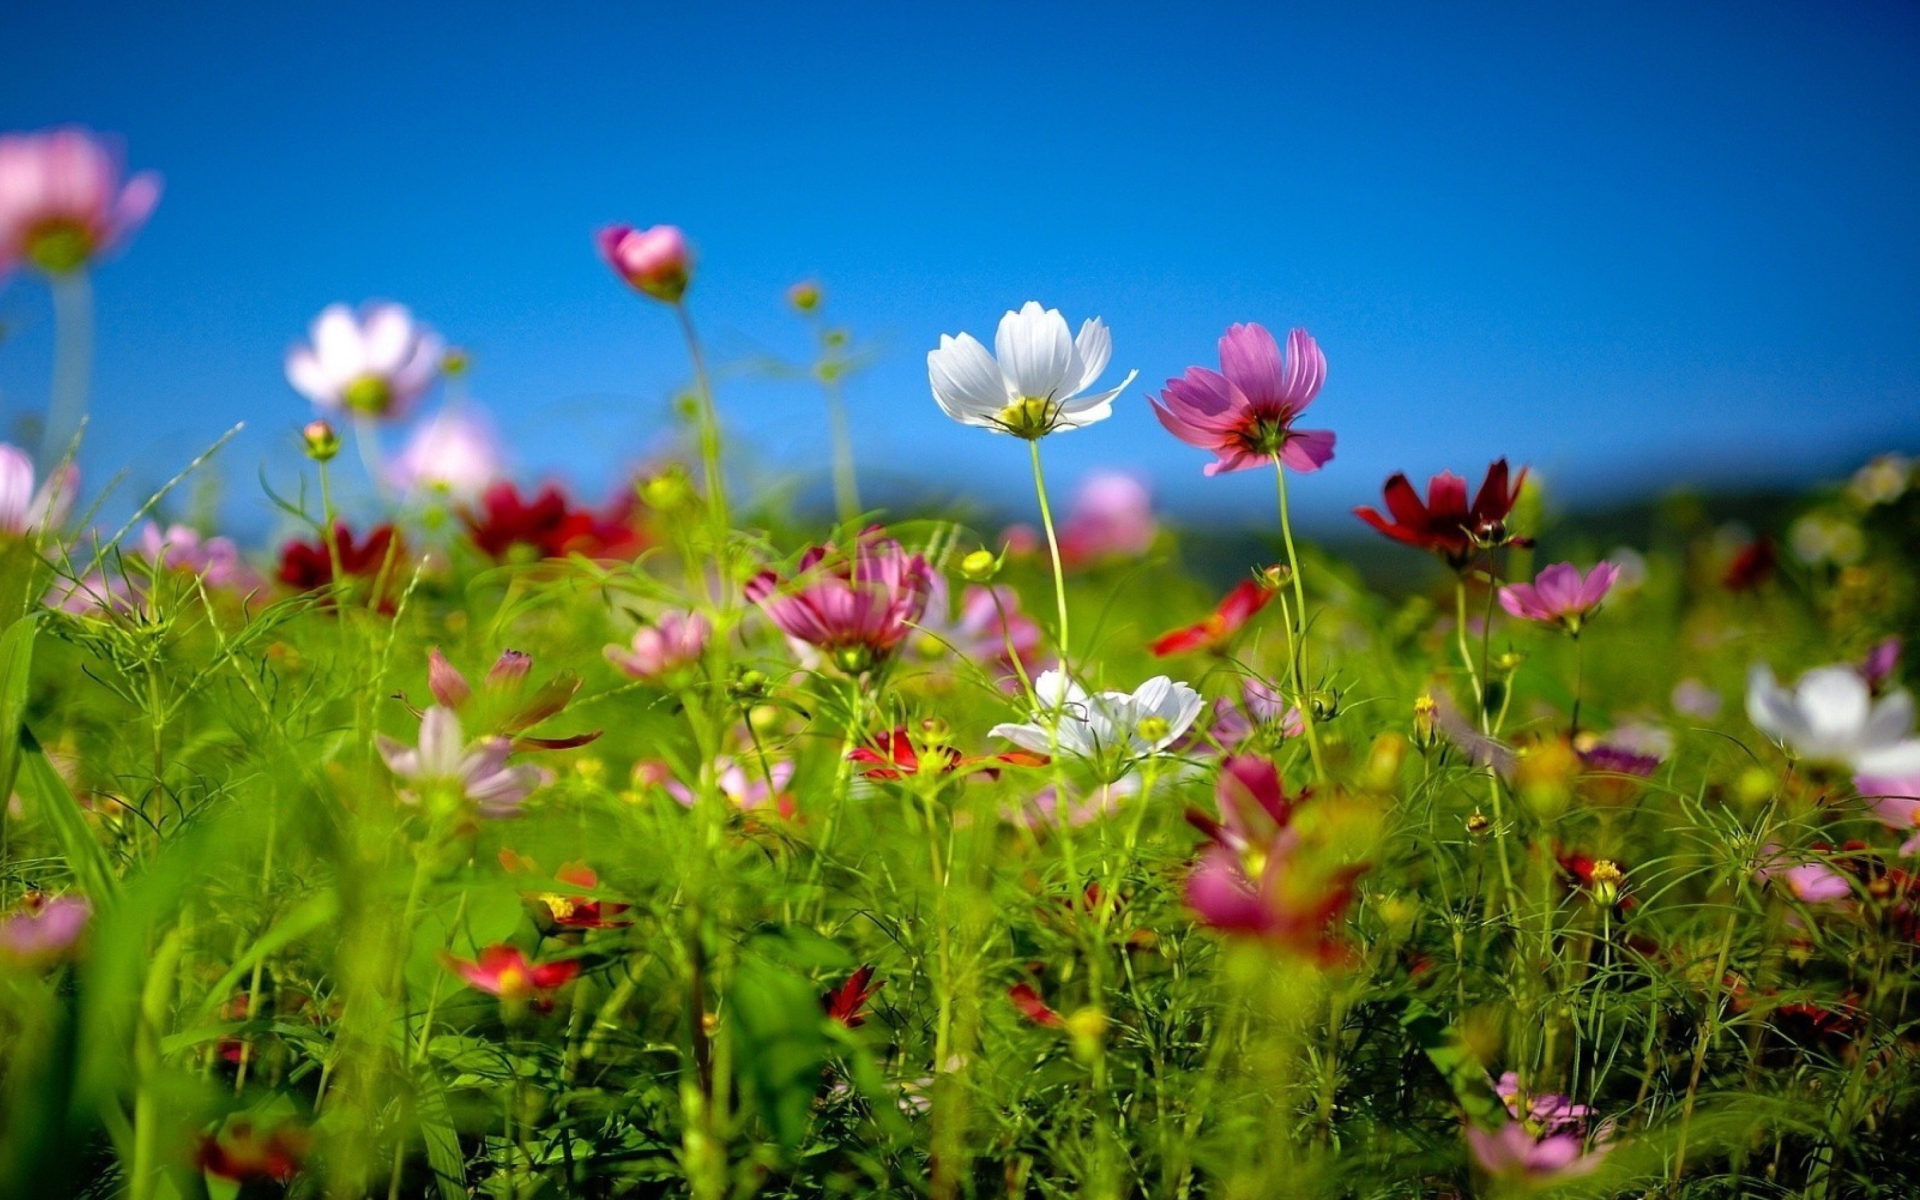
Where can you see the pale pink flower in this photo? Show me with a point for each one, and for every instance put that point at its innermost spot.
(62, 202)
(1810, 882)
(25, 509)
(1894, 801)
(1560, 595)
(376, 363)
(1111, 517)
(182, 548)
(453, 454)
(1695, 699)
(1245, 411)
(676, 640)
(1514, 1152)
(655, 261)
(989, 620)
(746, 789)
(446, 764)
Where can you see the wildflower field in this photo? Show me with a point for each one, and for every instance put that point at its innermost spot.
(501, 843)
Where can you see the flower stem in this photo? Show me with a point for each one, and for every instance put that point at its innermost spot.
(1466, 650)
(1297, 625)
(1053, 548)
(72, 366)
(1579, 678)
(710, 454)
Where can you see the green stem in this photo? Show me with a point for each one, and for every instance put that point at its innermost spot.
(1297, 626)
(1053, 548)
(72, 365)
(710, 455)
(1466, 649)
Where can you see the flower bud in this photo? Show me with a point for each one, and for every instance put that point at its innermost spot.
(979, 566)
(656, 261)
(1478, 824)
(1088, 1028)
(1605, 879)
(322, 443)
(455, 362)
(1274, 577)
(668, 490)
(804, 296)
(1426, 723)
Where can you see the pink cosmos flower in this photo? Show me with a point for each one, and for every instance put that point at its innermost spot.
(182, 548)
(24, 509)
(654, 261)
(1260, 706)
(43, 929)
(1559, 595)
(857, 608)
(1894, 801)
(376, 363)
(1514, 1152)
(504, 971)
(1549, 1112)
(1245, 412)
(676, 640)
(453, 454)
(1111, 517)
(1810, 882)
(502, 706)
(1882, 663)
(62, 203)
(745, 789)
(443, 766)
(988, 622)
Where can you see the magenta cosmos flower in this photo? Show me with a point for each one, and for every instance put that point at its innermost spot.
(1514, 1152)
(44, 929)
(857, 608)
(676, 640)
(656, 261)
(1245, 411)
(1894, 801)
(62, 203)
(1560, 595)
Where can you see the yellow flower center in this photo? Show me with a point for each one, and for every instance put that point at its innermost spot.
(368, 394)
(1030, 417)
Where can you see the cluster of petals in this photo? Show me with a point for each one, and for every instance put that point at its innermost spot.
(63, 203)
(674, 641)
(549, 525)
(216, 561)
(505, 972)
(1037, 380)
(847, 1004)
(857, 607)
(1104, 726)
(373, 363)
(477, 773)
(502, 705)
(453, 455)
(1446, 524)
(656, 262)
(1261, 707)
(581, 909)
(1831, 717)
(1894, 801)
(1214, 632)
(987, 627)
(1560, 594)
(1544, 1140)
(1245, 411)
(307, 565)
(26, 509)
(896, 754)
(245, 1153)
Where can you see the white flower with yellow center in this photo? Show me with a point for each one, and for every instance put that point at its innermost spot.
(1034, 383)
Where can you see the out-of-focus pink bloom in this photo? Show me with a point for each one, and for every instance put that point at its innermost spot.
(857, 608)
(374, 364)
(1213, 633)
(745, 789)
(443, 767)
(676, 640)
(1810, 882)
(988, 623)
(1245, 411)
(1111, 517)
(1881, 663)
(1894, 801)
(1514, 1152)
(1260, 706)
(1044, 810)
(503, 707)
(1252, 801)
(1548, 1112)
(654, 261)
(181, 548)
(97, 594)
(43, 929)
(1560, 595)
(62, 203)
(1695, 699)
(25, 509)
(453, 454)
(504, 971)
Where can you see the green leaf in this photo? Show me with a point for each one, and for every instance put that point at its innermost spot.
(780, 1045)
(85, 857)
(16, 666)
(1456, 1062)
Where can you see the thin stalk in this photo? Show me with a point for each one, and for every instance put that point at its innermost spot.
(1053, 548)
(1297, 626)
(1709, 1027)
(1579, 678)
(72, 365)
(1466, 649)
(367, 441)
(710, 454)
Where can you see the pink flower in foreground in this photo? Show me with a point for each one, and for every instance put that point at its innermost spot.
(62, 204)
(504, 971)
(1245, 411)
(375, 363)
(676, 640)
(1513, 1152)
(44, 929)
(857, 608)
(445, 769)
(655, 261)
(1809, 882)
(1560, 595)
(25, 509)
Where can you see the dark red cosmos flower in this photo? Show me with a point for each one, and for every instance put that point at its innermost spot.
(582, 912)
(307, 566)
(1032, 1007)
(1446, 524)
(847, 1003)
(1235, 611)
(892, 756)
(1751, 566)
(240, 1153)
(550, 525)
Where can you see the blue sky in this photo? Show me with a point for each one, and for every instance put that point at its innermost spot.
(1629, 243)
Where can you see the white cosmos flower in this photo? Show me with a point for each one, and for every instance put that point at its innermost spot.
(1831, 717)
(1037, 384)
(453, 453)
(1132, 725)
(375, 364)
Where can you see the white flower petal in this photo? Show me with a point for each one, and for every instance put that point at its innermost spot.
(1035, 352)
(966, 381)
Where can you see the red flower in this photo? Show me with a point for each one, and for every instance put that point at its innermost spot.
(242, 1154)
(1446, 524)
(892, 756)
(1213, 633)
(1032, 1007)
(308, 566)
(1752, 566)
(846, 1003)
(582, 912)
(505, 972)
(550, 525)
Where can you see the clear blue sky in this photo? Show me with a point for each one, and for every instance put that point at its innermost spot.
(1625, 242)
